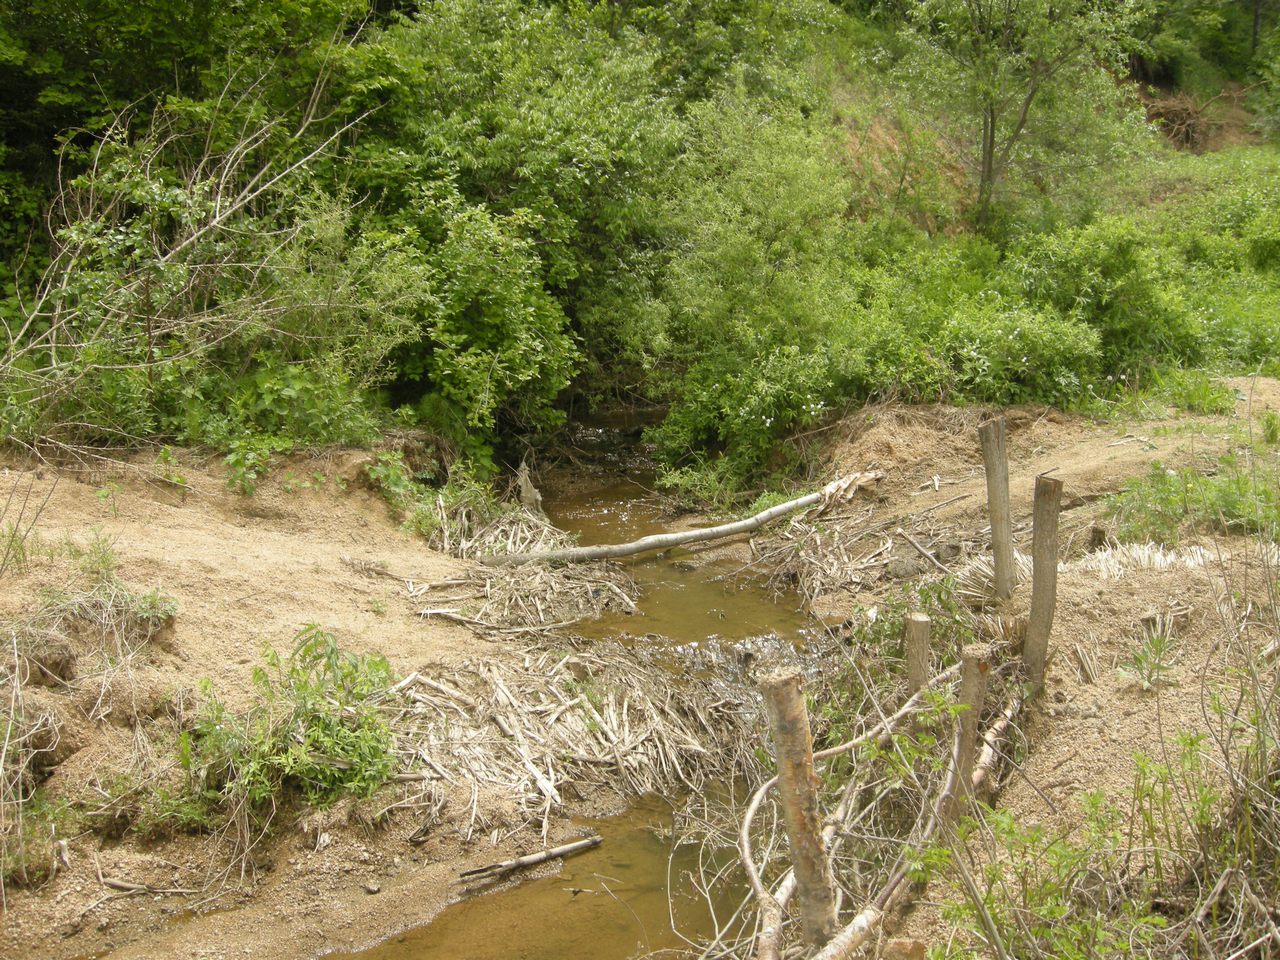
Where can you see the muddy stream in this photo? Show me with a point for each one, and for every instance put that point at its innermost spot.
(611, 903)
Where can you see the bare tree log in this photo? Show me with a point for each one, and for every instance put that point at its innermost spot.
(993, 435)
(494, 869)
(1044, 584)
(840, 489)
(793, 744)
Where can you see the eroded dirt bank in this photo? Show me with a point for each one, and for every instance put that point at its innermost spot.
(244, 571)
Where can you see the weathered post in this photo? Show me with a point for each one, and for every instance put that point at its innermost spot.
(975, 660)
(1044, 585)
(797, 787)
(993, 436)
(915, 637)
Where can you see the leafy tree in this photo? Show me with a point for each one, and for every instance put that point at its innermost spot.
(1266, 99)
(525, 149)
(1197, 44)
(1020, 86)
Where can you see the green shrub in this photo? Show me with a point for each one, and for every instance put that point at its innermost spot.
(1029, 894)
(1241, 496)
(312, 729)
(1010, 354)
(1109, 276)
(1195, 390)
(391, 476)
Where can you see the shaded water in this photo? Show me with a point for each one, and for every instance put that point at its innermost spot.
(621, 907)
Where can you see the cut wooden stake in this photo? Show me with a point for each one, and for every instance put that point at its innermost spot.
(506, 866)
(993, 435)
(915, 637)
(771, 906)
(841, 489)
(798, 789)
(975, 664)
(1044, 584)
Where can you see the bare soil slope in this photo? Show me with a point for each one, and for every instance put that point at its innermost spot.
(245, 571)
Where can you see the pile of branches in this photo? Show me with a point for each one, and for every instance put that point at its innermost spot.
(468, 527)
(531, 599)
(816, 558)
(529, 725)
(535, 599)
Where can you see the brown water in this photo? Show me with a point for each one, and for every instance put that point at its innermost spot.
(679, 602)
(611, 902)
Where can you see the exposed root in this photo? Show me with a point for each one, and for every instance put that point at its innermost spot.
(28, 732)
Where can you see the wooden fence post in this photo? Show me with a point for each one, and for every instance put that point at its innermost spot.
(1044, 585)
(993, 435)
(797, 788)
(975, 663)
(915, 636)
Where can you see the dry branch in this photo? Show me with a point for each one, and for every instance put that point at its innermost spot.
(529, 860)
(989, 754)
(840, 489)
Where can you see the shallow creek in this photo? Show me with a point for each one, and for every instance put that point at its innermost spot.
(611, 903)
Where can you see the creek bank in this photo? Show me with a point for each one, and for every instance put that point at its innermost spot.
(510, 735)
(247, 571)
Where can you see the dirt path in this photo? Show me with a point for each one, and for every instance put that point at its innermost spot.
(245, 571)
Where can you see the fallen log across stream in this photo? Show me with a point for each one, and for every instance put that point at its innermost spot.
(842, 488)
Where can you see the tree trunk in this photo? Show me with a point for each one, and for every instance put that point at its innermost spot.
(986, 169)
(797, 788)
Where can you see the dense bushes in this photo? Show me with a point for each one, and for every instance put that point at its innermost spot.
(847, 311)
(309, 217)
